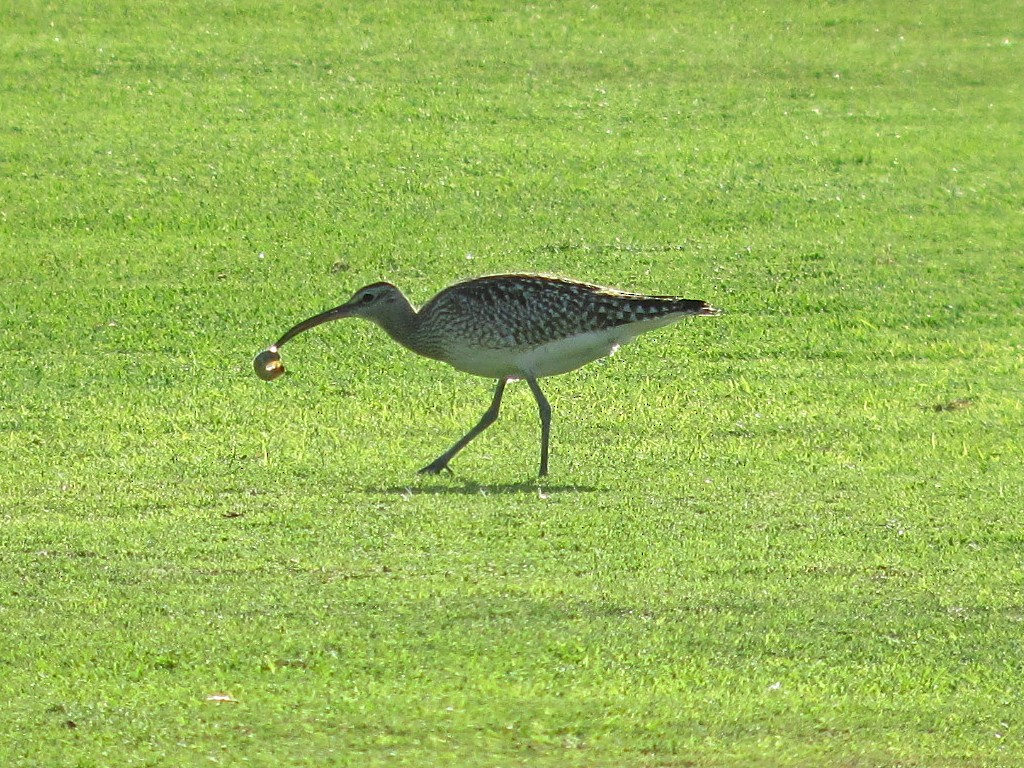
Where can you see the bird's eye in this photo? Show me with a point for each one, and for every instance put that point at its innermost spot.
(367, 298)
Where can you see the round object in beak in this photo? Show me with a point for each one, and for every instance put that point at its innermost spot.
(268, 364)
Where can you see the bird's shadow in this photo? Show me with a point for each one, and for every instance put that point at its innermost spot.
(473, 488)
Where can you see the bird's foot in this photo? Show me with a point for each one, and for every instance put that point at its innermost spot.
(436, 468)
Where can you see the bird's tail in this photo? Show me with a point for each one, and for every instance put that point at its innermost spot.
(694, 307)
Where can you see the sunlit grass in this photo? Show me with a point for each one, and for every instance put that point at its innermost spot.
(789, 535)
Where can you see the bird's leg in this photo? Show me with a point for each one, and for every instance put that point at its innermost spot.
(490, 416)
(545, 423)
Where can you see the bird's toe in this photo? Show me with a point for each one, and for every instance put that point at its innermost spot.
(435, 468)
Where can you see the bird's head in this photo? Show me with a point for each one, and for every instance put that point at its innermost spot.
(382, 303)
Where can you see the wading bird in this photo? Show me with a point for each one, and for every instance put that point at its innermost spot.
(505, 327)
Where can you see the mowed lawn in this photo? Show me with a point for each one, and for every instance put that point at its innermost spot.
(791, 535)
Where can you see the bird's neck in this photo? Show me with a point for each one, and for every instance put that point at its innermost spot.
(405, 325)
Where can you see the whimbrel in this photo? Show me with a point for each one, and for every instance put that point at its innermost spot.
(505, 327)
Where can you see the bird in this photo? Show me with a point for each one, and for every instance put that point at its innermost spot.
(506, 327)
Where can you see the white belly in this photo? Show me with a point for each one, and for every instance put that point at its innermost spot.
(549, 359)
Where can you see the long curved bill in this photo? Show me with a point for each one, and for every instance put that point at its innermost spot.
(331, 314)
(268, 363)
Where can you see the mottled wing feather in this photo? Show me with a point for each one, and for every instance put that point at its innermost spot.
(515, 311)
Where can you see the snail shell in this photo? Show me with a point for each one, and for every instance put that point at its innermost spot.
(268, 364)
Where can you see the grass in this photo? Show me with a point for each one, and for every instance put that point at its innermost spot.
(787, 536)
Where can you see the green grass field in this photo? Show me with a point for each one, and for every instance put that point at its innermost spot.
(791, 535)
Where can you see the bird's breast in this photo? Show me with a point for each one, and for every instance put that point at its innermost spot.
(537, 361)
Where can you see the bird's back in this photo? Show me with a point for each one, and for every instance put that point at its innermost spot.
(518, 311)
